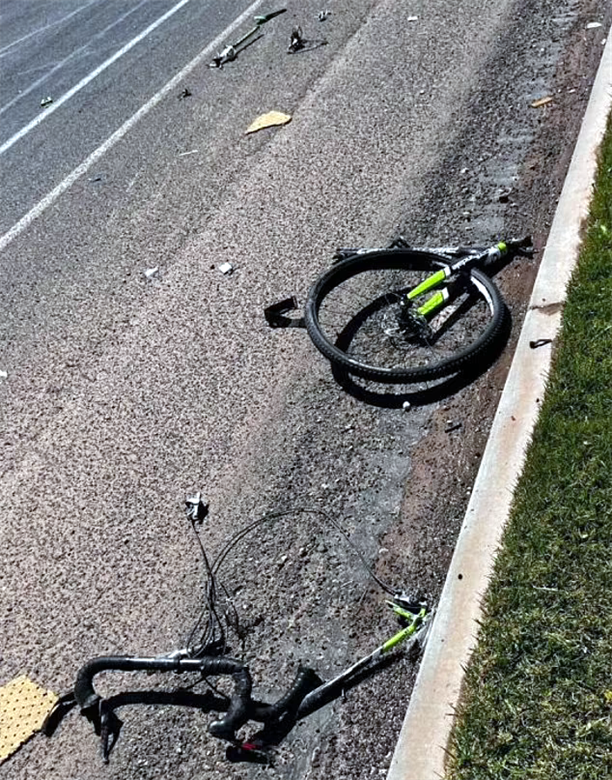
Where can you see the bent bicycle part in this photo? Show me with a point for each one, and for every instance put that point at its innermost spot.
(242, 707)
(435, 314)
(416, 618)
(240, 702)
(365, 315)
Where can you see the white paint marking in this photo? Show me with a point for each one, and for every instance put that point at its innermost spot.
(46, 27)
(61, 63)
(93, 158)
(94, 74)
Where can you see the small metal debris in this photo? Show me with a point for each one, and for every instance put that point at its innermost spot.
(539, 343)
(275, 314)
(323, 15)
(97, 177)
(46, 102)
(184, 94)
(412, 19)
(184, 154)
(151, 273)
(504, 197)
(230, 52)
(226, 268)
(542, 101)
(3, 374)
(453, 425)
(271, 119)
(297, 41)
(196, 508)
(593, 25)
(406, 405)
(227, 55)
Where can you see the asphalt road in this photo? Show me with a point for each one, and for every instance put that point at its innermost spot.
(120, 394)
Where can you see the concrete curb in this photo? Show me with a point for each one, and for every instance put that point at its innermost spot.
(421, 749)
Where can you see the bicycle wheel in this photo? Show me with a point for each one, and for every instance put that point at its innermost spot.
(358, 316)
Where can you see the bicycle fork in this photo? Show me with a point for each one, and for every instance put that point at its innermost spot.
(449, 292)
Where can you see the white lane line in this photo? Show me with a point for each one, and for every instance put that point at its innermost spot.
(94, 74)
(52, 196)
(61, 63)
(24, 38)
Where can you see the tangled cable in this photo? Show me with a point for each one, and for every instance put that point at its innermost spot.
(211, 623)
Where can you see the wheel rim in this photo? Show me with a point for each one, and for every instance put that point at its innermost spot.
(366, 324)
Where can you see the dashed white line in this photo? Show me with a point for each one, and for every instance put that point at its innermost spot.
(58, 65)
(39, 30)
(90, 77)
(52, 196)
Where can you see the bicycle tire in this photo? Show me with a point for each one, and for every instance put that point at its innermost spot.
(463, 343)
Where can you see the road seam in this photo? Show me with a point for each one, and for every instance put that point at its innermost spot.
(420, 753)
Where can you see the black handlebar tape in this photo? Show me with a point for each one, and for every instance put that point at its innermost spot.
(225, 728)
(306, 680)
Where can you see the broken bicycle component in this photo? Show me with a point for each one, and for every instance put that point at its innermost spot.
(230, 52)
(408, 315)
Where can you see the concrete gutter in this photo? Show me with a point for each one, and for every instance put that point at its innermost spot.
(421, 750)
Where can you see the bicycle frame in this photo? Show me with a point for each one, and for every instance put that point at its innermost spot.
(306, 695)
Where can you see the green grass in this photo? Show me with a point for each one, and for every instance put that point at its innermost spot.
(537, 703)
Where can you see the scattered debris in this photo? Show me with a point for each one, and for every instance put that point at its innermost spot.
(227, 55)
(539, 343)
(323, 15)
(275, 314)
(231, 52)
(226, 268)
(46, 102)
(151, 273)
(266, 17)
(184, 154)
(184, 94)
(299, 43)
(542, 101)
(593, 25)
(271, 119)
(24, 706)
(453, 425)
(196, 508)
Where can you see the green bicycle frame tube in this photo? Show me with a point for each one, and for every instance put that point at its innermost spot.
(432, 281)
(436, 302)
